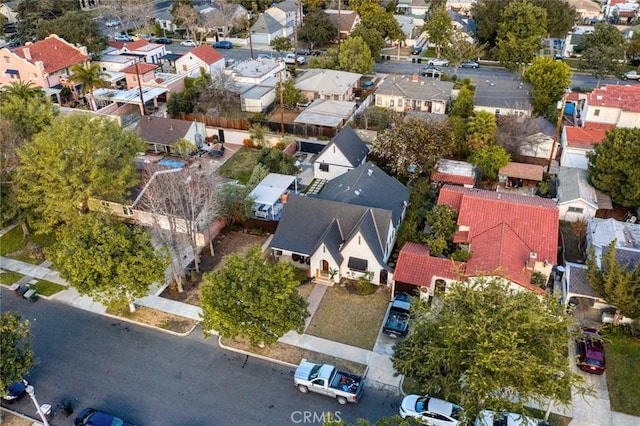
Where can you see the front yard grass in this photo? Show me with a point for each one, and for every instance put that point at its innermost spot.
(293, 354)
(241, 165)
(13, 245)
(623, 374)
(349, 318)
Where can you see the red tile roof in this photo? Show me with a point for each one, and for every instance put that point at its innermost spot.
(143, 68)
(116, 44)
(577, 137)
(625, 97)
(454, 179)
(416, 267)
(589, 125)
(208, 54)
(573, 97)
(55, 53)
(531, 225)
(522, 171)
(135, 45)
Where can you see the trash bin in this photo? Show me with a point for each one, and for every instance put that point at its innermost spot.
(413, 60)
(419, 60)
(388, 57)
(382, 57)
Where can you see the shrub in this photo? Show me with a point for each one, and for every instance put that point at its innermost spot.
(248, 143)
(539, 280)
(279, 145)
(364, 286)
(461, 255)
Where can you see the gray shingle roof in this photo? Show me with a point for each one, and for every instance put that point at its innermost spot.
(503, 93)
(307, 222)
(266, 24)
(367, 186)
(349, 143)
(573, 185)
(416, 87)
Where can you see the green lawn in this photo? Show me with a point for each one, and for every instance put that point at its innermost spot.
(241, 165)
(9, 277)
(623, 374)
(349, 318)
(13, 245)
(47, 288)
(12, 241)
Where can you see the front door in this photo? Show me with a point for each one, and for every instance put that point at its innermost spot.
(324, 266)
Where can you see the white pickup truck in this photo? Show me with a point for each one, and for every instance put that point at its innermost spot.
(328, 380)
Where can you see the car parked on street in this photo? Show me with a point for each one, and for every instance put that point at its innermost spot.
(112, 23)
(91, 417)
(162, 40)
(430, 411)
(291, 58)
(590, 352)
(631, 75)
(430, 71)
(123, 37)
(303, 51)
(416, 50)
(188, 43)
(438, 62)
(470, 64)
(223, 44)
(15, 391)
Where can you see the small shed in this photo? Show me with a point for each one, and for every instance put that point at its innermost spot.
(270, 195)
(518, 175)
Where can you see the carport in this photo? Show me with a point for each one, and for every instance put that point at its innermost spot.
(268, 196)
(131, 96)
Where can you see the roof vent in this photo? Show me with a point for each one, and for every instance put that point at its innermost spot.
(369, 172)
(599, 97)
(357, 191)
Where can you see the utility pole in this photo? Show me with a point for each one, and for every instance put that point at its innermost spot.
(250, 38)
(339, 34)
(556, 135)
(295, 32)
(282, 103)
(142, 106)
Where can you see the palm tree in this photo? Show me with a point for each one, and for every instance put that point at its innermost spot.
(90, 77)
(22, 90)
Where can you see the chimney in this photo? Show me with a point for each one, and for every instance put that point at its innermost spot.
(27, 53)
(531, 262)
(415, 77)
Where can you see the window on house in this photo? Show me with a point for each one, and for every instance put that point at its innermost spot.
(134, 78)
(596, 113)
(418, 104)
(575, 210)
(324, 167)
(391, 103)
(400, 102)
(378, 101)
(7, 59)
(356, 264)
(127, 211)
(497, 111)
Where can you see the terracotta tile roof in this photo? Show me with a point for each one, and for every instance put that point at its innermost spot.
(625, 97)
(208, 54)
(522, 171)
(504, 228)
(163, 131)
(416, 267)
(453, 179)
(573, 97)
(55, 53)
(577, 137)
(116, 44)
(143, 68)
(135, 45)
(589, 125)
(461, 237)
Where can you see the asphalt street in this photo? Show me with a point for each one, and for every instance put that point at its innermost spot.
(153, 378)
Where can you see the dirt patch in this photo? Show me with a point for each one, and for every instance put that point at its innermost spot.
(225, 244)
(294, 355)
(158, 319)
(8, 419)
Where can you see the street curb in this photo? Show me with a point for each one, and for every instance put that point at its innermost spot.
(23, 416)
(175, 333)
(262, 357)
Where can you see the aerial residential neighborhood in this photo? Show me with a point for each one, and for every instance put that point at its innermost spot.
(298, 212)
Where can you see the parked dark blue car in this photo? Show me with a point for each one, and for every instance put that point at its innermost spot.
(224, 44)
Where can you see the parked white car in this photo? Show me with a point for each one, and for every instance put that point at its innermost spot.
(430, 411)
(123, 37)
(188, 43)
(439, 62)
(490, 418)
(291, 59)
(112, 23)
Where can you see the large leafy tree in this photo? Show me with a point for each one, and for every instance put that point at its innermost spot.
(439, 28)
(17, 357)
(281, 44)
(463, 105)
(489, 159)
(615, 282)
(76, 158)
(291, 95)
(481, 129)
(442, 221)
(613, 166)
(33, 13)
(26, 107)
(252, 298)
(317, 29)
(355, 56)
(461, 49)
(520, 34)
(77, 27)
(550, 80)
(414, 145)
(489, 346)
(111, 262)
(277, 161)
(131, 13)
(603, 51)
(371, 36)
(373, 15)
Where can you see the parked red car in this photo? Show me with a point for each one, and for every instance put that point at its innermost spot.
(590, 351)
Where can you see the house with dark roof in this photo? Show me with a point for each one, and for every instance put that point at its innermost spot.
(414, 93)
(344, 20)
(199, 58)
(265, 29)
(577, 199)
(46, 63)
(507, 96)
(509, 235)
(335, 240)
(345, 152)
(162, 133)
(576, 142)
(277, 21)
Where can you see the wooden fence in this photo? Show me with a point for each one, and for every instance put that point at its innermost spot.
(220, 122)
